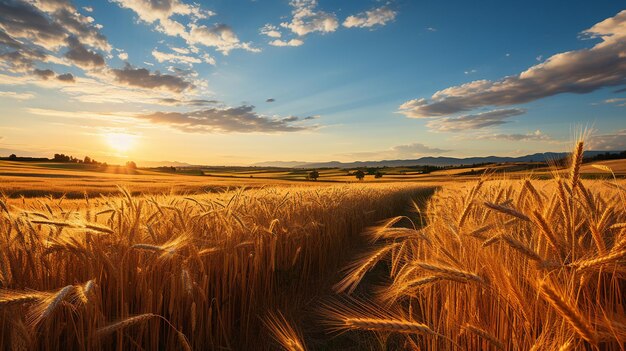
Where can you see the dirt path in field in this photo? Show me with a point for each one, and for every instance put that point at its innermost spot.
(310, 319)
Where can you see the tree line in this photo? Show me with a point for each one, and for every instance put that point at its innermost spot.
(63, 158)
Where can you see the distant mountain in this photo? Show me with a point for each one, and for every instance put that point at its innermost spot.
(427, 161)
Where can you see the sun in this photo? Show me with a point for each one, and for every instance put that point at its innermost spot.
(120, 142)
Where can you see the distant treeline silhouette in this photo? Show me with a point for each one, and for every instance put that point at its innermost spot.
(57, 158)
(63, 158)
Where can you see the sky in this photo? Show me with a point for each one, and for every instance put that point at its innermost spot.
(236, 82)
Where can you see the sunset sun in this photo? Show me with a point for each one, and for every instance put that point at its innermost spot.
(120, 142)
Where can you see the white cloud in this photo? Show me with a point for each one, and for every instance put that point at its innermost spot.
(474, 121)
(579, 71)
(180, 50)
(537, 135)
(180, 58)
(292, 42)
(160, 13)
(219, 36)
(271, 31)
(122, 56)
(241, 119)
(174, 58)
(375, 17)
(307, 18)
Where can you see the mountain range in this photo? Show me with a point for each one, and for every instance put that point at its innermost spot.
(426, 161)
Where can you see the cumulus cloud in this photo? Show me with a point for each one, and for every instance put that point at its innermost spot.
(43, 73)
(23, 20)
(219, 36)
(141, 77)
(242, 119)
(537, 135)
(100, 88)
(82, 27)
(270, 31)
(307, 18)
(47, 23)
(161, 12)
(81, 56)
(610, 142)
(292, 42)
(20, 61)
(123, 56)
(67, 77)
(174, 58)
(33, 32)
(579, 71)
(474, 121)
(371, 18)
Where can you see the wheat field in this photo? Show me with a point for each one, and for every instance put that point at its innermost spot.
(500, 265)
(495, 264)
(173, 272)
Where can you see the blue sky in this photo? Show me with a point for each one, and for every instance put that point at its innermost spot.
(241, 81)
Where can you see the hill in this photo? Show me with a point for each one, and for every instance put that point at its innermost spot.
(429, 161)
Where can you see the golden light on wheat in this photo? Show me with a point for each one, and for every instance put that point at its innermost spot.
(515, 265)
(498, 264)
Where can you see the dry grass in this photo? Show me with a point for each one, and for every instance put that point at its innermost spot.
(173, 272)
(508, 264)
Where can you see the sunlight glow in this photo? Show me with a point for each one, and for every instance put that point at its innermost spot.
(120, 142)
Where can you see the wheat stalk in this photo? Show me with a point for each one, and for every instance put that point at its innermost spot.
(521, 248)
(9, 298)
(124, 323)
(567, 312)
(577, 160)
(613, 257)
(485, 335)
(357, 270)
(454, 272)
(388, 325)
(46, 307)
(507, 210)
(283, 332)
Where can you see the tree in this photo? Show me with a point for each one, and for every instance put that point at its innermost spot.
(131, 165)
(61, 158)
(313, 175)
(359, 174)
(378, 174)
(87, 160)
(13, 157)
